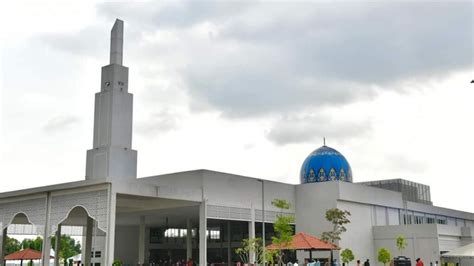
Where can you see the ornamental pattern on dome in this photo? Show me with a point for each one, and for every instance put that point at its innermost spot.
(325, 164)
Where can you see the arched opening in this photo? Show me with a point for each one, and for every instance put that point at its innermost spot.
(22, 241)
(78, 240)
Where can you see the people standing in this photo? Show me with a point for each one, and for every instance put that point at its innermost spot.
(358, 263)
(367, 263)
(419, 262)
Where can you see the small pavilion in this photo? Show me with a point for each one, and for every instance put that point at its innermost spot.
(25, 254)
(306, 242)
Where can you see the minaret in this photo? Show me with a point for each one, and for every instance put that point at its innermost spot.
(112, 156)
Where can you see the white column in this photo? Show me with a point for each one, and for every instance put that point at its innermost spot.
(229, 243)
(252, 231)
(57, 246)
(88, 249)
(3, 243)
(202, 233)
(252, 236)
(141, 241)
(110, 237)
(189, 239)
(46, 252)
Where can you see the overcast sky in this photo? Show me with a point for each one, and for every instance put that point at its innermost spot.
(246, 87)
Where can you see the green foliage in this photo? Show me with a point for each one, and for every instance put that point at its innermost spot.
(12, 245)
(35, 244)
(338, 218)
(67, 247)
(384, 256)
(281, 204)
(401, 243)
(249, 246)
(283, 229)
(117, 262)
(347, 256)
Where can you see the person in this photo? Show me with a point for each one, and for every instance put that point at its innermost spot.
(367, 263)
(436, 263)
(190, 262)
(296, 263)
(419, 262)
(358, 263)
(335, 263)
(318, 263)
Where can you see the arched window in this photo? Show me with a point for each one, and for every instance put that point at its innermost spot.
(312, 176)
(332, 174)
(342, 175)
(321, 175)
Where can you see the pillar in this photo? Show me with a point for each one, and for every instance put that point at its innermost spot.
(88, 248)
(252, 233)
(46, 251)
(3, 243)
(141, 241)
(229, 244)
(252, 236)
(189, 239)
(202, 233)
(57, 246)
(110, 237)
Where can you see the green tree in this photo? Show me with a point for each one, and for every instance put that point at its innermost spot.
(252, 245)
(35, 244)
(384, 256)
(67, 247)
(283, 229)
(338, 218)
(401, 243)
(12, 245)
(347, 256)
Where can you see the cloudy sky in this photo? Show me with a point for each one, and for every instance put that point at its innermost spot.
(246, 87)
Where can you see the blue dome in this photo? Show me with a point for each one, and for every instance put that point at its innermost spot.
(325, 164)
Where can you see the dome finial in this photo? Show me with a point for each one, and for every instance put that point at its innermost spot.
(324, 141)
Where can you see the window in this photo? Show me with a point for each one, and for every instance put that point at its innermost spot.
(213, 234)
(419, 219)
(430, 220)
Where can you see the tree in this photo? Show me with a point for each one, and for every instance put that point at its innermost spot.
(67, 247)
(338, 218)
(12, 245)
(252, 245)
(401, 243)
(35, 244)
(347, 256)
(283, 229)
(384, 256)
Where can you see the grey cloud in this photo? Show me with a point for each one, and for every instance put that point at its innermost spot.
(158, 123)
(267, 58)
(60, 122)
(159, 14)
(309, 128)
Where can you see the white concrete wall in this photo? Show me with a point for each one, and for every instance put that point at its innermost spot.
(422, 241)
(126, 244)
(359, 237)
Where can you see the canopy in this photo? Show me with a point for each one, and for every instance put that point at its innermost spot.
(25, 254)
(303, 241)
(466, 251)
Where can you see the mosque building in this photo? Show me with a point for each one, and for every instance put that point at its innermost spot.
(205, 214)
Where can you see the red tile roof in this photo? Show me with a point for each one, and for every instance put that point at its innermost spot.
(303, 241)
(26, 254)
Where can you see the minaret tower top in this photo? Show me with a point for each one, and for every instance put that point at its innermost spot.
(116, 43)
(112, 156)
